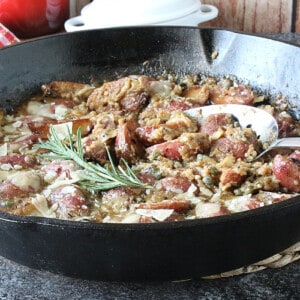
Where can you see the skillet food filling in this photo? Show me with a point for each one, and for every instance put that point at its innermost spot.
(126, 152)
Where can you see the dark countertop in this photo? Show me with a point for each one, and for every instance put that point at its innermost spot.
(19, 282)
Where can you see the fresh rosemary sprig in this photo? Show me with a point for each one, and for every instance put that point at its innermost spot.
(95, 177)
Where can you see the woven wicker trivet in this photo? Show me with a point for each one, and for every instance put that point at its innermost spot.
(279, 260)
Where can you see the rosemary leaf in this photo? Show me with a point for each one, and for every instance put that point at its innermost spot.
(94, 176)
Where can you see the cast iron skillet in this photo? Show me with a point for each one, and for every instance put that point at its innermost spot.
(165, 251)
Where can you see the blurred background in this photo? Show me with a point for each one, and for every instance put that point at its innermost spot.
(258, 16)
(37, 18)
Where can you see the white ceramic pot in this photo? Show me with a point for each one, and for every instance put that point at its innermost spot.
(120, 13)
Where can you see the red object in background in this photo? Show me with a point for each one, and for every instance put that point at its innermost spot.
(31, 18)
(7, 37)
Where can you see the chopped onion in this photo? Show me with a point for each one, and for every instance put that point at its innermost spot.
(157, 214)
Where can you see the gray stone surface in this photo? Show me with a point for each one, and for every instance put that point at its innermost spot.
(19, 282)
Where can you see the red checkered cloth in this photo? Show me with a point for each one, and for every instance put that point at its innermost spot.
(7, 37)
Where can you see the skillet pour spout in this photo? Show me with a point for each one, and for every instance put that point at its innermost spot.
(162, 251)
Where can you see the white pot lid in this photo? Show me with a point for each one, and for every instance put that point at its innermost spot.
(113, 13)
(135, 12)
